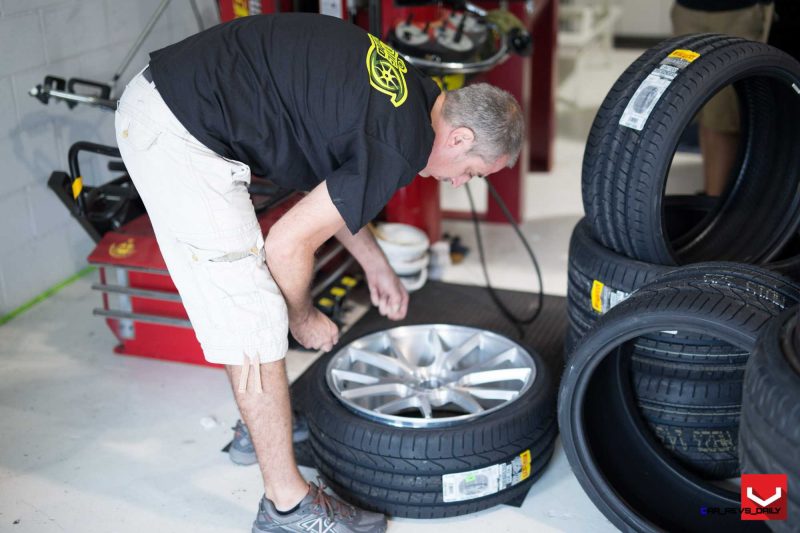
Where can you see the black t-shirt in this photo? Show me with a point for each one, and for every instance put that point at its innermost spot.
(303, 98)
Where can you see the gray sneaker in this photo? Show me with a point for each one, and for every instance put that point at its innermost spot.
(241, 450)
(318, 511)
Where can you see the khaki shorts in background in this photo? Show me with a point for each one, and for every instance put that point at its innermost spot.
(721, 113)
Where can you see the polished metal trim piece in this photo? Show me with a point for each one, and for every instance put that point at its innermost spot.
(133, 291)
(150, 270)
(141, 317)
(452, 67)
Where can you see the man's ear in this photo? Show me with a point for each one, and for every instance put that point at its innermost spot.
(461, 137)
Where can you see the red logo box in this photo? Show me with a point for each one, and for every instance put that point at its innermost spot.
(764, 496)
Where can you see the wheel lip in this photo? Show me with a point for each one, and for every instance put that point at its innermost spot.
(585, 361)
(434, 423)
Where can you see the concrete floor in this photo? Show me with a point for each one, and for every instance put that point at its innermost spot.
(94, 442)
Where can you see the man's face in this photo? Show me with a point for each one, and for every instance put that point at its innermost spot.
(459, 170)
(451, 162)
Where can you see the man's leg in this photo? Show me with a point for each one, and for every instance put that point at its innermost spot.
(268, 417)
(212, 244)
(719, 150)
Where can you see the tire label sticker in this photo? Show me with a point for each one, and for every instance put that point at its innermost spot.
(604, 297)
(485, 481)
(685, 55)
(649, 92)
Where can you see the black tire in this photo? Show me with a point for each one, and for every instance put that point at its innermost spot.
(626, 472)
(624, 170)
(696, 420)
(613, 277)
(687, 385)
(788, 260)
(769, 438)
(590, 262)
(398, 471)
(684, 214)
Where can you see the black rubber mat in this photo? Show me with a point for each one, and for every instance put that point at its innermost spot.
(469, 305)
(465, 305)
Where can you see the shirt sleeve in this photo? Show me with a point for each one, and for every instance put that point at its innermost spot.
(368, 174)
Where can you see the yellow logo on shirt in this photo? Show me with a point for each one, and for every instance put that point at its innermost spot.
(387, 71)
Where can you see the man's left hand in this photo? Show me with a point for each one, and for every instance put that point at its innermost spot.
(388, 293)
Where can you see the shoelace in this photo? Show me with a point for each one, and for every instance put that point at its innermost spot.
(240, 430)
(330, 505)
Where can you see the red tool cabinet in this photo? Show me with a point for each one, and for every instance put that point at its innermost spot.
(141, 304)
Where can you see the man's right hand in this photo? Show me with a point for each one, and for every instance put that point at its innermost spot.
(314, 331)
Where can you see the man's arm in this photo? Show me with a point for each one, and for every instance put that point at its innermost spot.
(386, 291)
(290, 247)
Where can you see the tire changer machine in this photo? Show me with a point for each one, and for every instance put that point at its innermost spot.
(454, 44)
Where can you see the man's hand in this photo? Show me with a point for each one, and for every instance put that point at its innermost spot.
(388, 293)
(314, 331)
(385, 288)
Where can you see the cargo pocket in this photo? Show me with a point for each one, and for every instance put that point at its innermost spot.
(240, 296)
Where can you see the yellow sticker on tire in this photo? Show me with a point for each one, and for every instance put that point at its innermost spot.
(597, 296)
(686, 55)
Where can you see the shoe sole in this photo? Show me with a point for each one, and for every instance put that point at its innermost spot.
(242, 458)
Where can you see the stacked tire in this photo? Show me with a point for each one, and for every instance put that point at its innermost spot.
(769, 440)
(444, 455)
(682, 364)
(618, 461)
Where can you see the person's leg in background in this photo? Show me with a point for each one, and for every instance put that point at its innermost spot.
(719, 118)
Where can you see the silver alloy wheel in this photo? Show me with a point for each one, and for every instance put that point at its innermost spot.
(430, 375)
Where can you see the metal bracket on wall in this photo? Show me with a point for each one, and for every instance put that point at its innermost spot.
(61, 89)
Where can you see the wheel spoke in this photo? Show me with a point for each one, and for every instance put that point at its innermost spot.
(383, 389)
(397, 353)
(425, 407)
(379, 360)
(494, 376)
(437, 348)
(464, 399)
(455, 355)
(508, 356)
(490, 394)
(354, 377)
(395, 406)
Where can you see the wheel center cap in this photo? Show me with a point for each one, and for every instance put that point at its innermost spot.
(430, 383)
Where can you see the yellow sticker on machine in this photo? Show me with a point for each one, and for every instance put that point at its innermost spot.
(686, 55)
(120, 250)
(77, 187)
(338, 291)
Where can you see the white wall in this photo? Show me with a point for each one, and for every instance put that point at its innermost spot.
(40, 244)
(644, 18)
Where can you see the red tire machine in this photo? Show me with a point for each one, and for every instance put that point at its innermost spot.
(140, 302)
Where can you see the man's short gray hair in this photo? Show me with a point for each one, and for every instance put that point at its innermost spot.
(493, 115)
